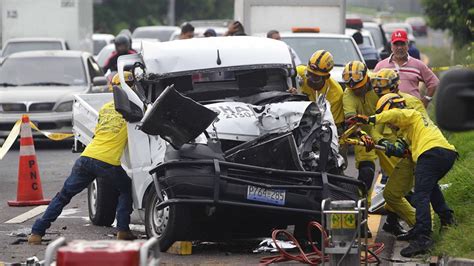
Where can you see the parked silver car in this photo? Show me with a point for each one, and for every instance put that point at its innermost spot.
(42, 84)
(33, 44)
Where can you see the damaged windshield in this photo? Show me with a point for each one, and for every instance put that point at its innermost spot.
(225, 84)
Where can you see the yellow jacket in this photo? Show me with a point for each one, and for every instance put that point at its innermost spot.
(110, 136)
(417, 129)
(333, 92)
(384, 132)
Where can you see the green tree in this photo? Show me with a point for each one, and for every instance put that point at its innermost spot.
(114, 15)
(457, 16)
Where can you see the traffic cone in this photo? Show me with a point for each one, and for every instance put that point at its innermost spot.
(29, 191)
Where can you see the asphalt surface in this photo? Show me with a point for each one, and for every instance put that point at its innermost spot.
(55, 161)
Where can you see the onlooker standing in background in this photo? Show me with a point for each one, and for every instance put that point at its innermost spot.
(187, 31)
(274, 34)
(235, 29)
(368, 52)
(411, 70)
(210, 33)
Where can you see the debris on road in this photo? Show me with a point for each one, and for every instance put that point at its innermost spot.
(269, 245)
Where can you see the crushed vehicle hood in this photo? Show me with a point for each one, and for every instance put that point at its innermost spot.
(243, 122)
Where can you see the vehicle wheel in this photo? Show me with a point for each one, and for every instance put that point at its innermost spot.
(169, 224)
(102, 198)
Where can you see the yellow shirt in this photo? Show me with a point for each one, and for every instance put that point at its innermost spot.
(384, 132)
(333, 92)
(110, 136)
(419, 131)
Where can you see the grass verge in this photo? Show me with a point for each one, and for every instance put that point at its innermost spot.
(459, 241)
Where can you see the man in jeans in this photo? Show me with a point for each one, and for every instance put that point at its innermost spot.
(433, 155)
(100, 159)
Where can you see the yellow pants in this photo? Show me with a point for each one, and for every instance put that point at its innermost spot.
(401, 180)
(399, 183)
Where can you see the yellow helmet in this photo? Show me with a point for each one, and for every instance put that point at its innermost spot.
(128, 76)
(321, 63)
(385, 81)
(389, 101)
(355, 74)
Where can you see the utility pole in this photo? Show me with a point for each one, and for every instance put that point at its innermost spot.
(171, 13)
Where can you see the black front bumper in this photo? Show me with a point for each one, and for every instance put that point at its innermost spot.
(215, 182)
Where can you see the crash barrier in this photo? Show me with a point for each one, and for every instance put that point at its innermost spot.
(29, 190)
(317, 256)
(103, 252)
(16, 130)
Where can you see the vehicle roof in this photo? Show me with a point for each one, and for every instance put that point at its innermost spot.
(370, 24)
(202, 53)
(199, 32)
(101, 36)
(395, 24)
(35, 39)
(48, 53)
(313, 35)
(147, 28)
(350, 31)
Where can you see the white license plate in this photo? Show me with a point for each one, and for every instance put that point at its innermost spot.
(272, 196)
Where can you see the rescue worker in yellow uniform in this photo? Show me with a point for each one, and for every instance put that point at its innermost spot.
(100, 159)
(399, 170)
(433, 156)
(316, 81)
(359, 98)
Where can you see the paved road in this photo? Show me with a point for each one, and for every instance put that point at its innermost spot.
(55, 161)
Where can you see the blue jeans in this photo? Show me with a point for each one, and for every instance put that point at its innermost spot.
(84, 171)
(432, 165)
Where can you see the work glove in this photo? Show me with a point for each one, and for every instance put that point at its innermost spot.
(363, 119)
(397, 149)
(401, 144)
(368, 141)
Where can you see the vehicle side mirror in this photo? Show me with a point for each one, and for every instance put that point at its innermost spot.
(130, 112)
(99, 81)
(455, 100)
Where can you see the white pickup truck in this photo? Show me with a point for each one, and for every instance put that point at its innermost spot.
(258, 164)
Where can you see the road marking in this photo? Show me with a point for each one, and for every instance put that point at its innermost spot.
(27, 215)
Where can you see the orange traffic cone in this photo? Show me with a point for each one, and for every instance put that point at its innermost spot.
(29, 192)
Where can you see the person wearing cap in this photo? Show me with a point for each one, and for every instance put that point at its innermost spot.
(411, 70)
(210, 33)
(100, 159)
(433, 156)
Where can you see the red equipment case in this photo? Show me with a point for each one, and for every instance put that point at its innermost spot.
(102, 252)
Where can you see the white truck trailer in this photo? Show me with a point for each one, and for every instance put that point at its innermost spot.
(70, 20)
(260, 16)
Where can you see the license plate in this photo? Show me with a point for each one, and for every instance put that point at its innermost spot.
(272, 196)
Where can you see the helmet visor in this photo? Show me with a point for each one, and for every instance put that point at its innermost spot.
(380, 83)
(316, 68)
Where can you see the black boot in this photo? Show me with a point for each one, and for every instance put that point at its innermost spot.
(420, 245)
(393, 226)
(446, 221)
(410, 235)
